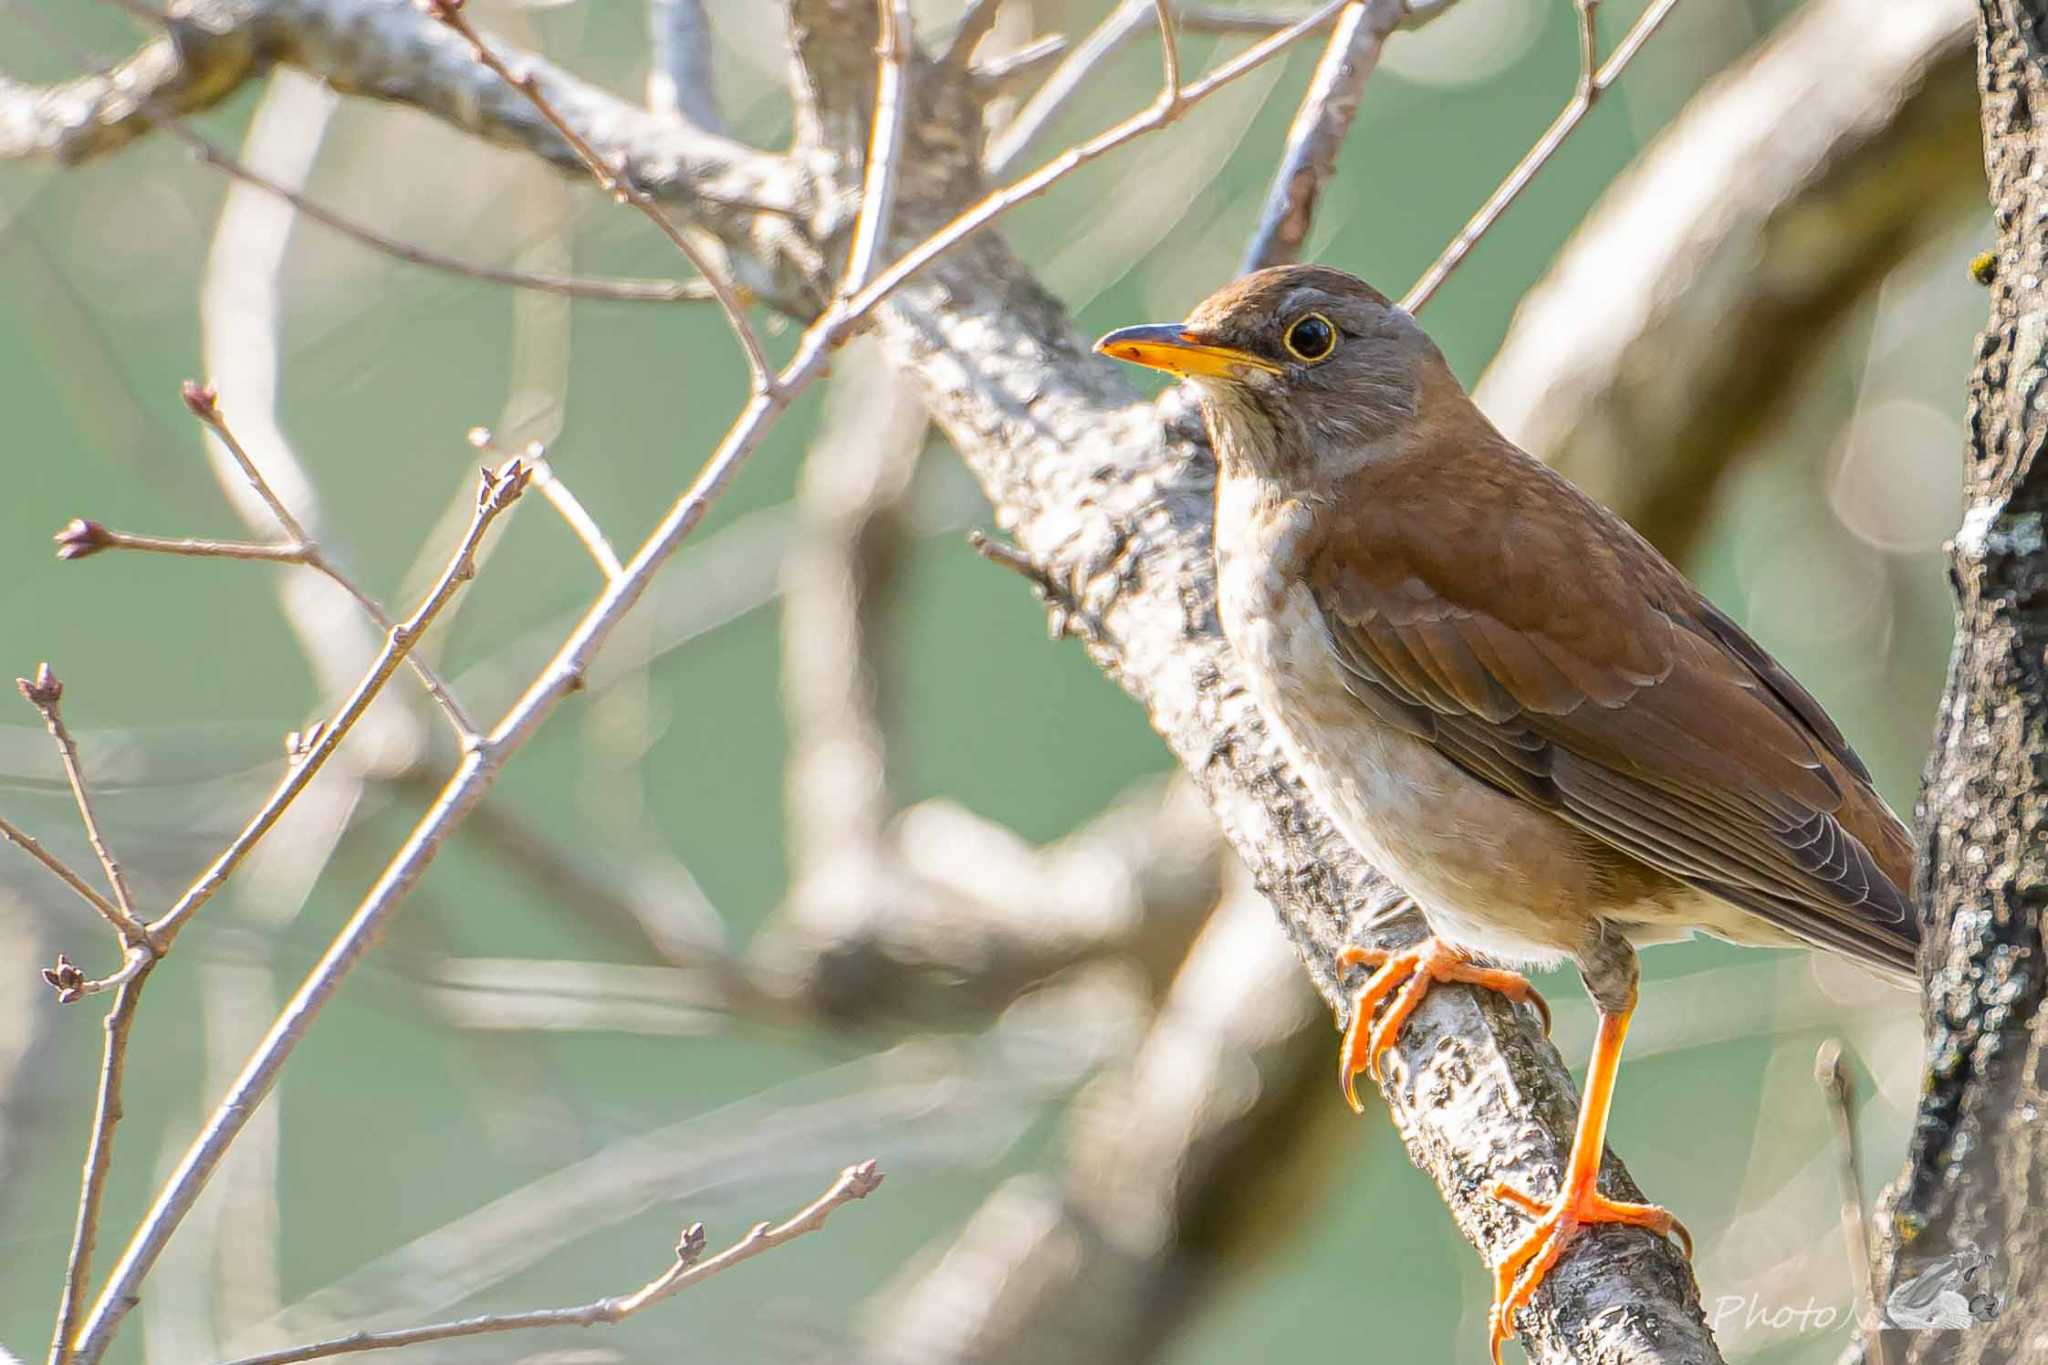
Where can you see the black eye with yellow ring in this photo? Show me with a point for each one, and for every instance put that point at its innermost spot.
(1310, 338)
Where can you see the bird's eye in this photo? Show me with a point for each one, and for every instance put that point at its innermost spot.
(1311, 338)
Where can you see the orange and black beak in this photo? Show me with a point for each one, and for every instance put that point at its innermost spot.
(1171, 347)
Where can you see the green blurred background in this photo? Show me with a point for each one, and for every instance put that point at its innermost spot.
(181, 677)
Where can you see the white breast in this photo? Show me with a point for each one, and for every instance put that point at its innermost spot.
(1491, 872)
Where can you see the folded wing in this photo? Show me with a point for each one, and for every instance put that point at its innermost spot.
(1600, 686)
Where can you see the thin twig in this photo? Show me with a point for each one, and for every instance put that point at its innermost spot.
(27, 843)
(855, 1182)
(72, 984)
(46, 694)
(99, 1157)
(1014, 138)
(1064, 613)
(81, 538)
(1838, 1089)
(204, 404)
(581, 524)
(1318, 132)
(1159, 115)
(1123, 23)
(1019, 67)
(213, 154)
(615, 182)
(499, 490)
(1592, 83)
(567, 286)
(561, 676)
(1169, 54)
(1589, 48)
(885, 145)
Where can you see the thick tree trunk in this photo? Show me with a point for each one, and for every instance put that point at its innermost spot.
(1968, 1214)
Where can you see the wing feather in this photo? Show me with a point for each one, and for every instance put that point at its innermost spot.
(1627, 705)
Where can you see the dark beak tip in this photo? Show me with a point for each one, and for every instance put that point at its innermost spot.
(1144, 333)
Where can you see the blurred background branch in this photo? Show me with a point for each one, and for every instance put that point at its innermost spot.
(1208, 1144)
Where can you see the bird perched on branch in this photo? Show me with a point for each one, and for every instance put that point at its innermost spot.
(1506, 699)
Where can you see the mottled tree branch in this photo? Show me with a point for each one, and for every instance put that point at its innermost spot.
(1689, 306)
(1107, 495)
(1966, 1215)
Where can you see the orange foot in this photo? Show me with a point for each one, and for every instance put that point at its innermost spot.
(1516, 1278)
(1580, 1204)
(1413, 970)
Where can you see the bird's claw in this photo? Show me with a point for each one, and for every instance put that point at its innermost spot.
(1410, 972)
(1527, 1264)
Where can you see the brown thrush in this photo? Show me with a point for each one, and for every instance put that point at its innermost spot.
(1506, 699)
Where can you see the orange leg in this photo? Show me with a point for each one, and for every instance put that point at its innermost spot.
(1413, 971)
(1579, 1203)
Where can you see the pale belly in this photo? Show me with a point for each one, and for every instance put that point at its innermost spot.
(1491, 872)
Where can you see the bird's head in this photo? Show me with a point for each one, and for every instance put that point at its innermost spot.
(1295, 362)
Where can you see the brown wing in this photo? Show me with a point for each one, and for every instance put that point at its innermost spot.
(1542, 645)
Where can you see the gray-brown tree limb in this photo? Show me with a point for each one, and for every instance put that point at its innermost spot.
(1664, 286)
(937, 911)
(1967, 1216)
(1107, 495)
(1694, 299)
(1110, 497)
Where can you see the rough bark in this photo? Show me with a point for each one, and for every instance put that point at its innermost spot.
(1108, 494)
(1979, 1150)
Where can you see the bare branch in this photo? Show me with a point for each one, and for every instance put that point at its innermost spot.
(482, 764)
(567, 286)
(45, 693)
(1165, 110)
(1010, 142)
(579, 520)
(616, 181)
(392, 50)
(844, 878)
(100, 113)
(885, 145)
(1199, 1145)
(71, 984)
(855, 1182)
(1169, 54)
(1319, 129)
(679, 83)
(204, 404)
(81, 538)
(1014, 69)
(1591, 83)
(500, 489)
(1125, 22)
(581, 524)
(99, 1157)
(1706, 255)
(147, 945)
(22, 840)
(1838, 1090)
